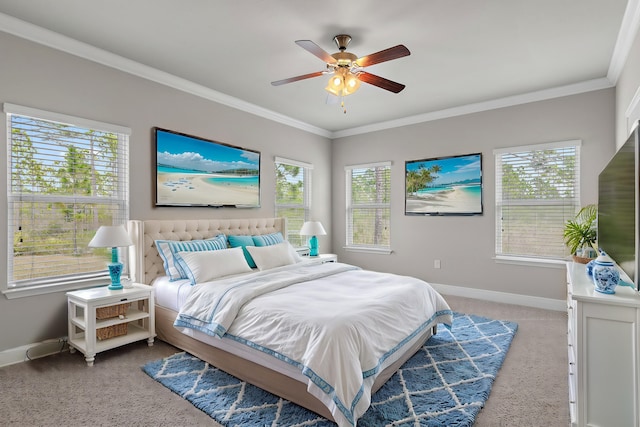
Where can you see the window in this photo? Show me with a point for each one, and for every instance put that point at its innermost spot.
(537, 191)
(368, 206)
(293, 196)
(66, 177)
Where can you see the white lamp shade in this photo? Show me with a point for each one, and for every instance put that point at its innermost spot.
(110, 236)
(312, 228)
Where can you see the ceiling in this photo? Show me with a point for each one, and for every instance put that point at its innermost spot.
(465, 54)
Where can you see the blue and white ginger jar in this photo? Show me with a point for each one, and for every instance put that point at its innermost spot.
(589, 267)
(605, 274)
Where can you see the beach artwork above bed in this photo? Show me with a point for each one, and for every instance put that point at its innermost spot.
(193, 171)
(444, 186)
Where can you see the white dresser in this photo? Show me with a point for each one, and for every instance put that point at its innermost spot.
(604, 359)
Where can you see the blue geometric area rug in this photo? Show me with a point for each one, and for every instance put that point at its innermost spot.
(445, 383)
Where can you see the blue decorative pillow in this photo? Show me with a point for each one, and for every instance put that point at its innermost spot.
(268, 239)
(243, 242)
(169, 248)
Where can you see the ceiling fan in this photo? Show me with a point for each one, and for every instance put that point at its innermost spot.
(347, 68)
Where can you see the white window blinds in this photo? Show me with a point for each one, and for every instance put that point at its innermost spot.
(67, 176)
(293, 196)
(537, 191)
(368, 205)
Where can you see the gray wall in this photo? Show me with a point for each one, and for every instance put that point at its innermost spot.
(466, 245)
(35, 76)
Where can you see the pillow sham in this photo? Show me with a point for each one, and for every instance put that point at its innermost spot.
(204, 266)
(168, 249)
(268, 239)
(272, 256)
(168, 260)
(243, 242)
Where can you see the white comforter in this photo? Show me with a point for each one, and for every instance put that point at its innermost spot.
(335, 322)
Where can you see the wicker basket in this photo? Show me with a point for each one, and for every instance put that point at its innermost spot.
(111, 331)
(111, 311)
(581, 260)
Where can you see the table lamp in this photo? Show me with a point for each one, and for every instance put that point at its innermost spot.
(313, 229)
(112, 236)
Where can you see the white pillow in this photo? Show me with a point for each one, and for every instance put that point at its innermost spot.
(267, 257)
(208, 265)
(294, 254)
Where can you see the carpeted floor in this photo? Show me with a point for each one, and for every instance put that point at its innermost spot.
(529, 391)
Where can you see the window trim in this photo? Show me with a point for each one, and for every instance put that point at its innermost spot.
(378, 249)
(62, 286)
(8, 108)
(539, 147)
(44, 285)
(528, 259)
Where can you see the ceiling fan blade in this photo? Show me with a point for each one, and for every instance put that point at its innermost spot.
(384, 55)
(295, 79)
(381, 82)
(310, 46)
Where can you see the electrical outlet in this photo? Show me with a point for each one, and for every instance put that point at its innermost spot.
(436, 263)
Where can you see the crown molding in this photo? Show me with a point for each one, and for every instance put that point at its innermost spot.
(478, 107)
(626, 36)
(66, 44)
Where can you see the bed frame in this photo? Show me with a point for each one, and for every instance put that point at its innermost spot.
(145, 265)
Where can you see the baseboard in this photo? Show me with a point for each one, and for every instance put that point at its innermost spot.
(32, 351)
(503, 297)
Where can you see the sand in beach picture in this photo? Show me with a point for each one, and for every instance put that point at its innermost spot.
(444, 186)
(192, 171)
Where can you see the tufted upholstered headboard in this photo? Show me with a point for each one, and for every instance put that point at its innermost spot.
(144, 262)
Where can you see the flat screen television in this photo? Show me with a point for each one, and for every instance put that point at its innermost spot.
(618, 208)
(193, 171)
(444, 185)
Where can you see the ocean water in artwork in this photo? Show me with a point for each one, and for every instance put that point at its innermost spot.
(243, 181)
(472, 190)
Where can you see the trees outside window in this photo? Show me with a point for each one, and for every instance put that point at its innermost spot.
(369, 206)
(293, 196)
(537, 191)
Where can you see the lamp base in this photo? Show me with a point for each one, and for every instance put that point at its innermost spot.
(115, 270)
(313, 246)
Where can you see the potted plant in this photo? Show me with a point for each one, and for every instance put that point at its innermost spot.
(580, 233)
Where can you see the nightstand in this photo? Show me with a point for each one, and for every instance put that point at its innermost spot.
(326, 257)
(100, 319)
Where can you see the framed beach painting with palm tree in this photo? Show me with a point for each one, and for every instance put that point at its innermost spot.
(444, 185)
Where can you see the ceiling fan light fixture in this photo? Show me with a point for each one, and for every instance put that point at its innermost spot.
(343, 83)
(335, 85)
(351, 84)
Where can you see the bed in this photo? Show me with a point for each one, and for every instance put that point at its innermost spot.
(224, 344)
